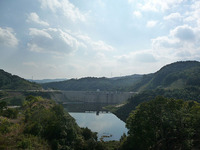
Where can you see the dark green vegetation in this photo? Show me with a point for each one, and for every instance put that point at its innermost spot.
(189, 93)
(180, 80)
(46, 80)
(163, 124)
(92, 84)
(173, 76)
(13, 82)
(17, 98)
(154, 123)
(42, 124)
(160, 124)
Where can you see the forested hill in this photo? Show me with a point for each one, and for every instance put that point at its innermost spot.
(177, 75)
(13, 82)
(180, 80)
(92, 84)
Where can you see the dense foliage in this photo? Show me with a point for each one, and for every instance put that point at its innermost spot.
(163, 124)
(17, 98)
(92, 84)
(172, 76)
(42, 124)
(189, 93)
(13, 82)
(158, 124)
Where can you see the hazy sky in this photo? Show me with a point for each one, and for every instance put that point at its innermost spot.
(79, 38)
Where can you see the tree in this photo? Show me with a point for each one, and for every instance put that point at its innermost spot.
(163, 124)
(3, 105)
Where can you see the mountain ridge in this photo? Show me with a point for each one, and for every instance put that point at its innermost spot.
(169, 75)
(175, 75)
(47, 80)
(94, 83)
(14, 82)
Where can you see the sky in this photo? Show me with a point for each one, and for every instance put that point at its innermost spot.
(51, 39)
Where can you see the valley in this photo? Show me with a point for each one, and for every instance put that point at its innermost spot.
(173, 90)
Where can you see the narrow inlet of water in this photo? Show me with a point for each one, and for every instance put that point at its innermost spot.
(106, 124)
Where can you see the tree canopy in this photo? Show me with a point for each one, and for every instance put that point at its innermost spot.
(163, 124)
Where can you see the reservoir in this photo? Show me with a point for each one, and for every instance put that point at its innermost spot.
(91, 115)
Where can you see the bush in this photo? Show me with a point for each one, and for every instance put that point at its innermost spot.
(163, 124)
(4, 125)
(11, 113)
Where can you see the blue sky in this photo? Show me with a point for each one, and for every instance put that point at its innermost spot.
(79, 38)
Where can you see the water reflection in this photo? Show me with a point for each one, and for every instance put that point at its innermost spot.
(86, 107)
(92, 115)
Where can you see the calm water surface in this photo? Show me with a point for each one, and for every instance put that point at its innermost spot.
(106, 124)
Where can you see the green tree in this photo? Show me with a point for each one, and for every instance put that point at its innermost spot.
(163, 124)
(11, 113)
(3, 105)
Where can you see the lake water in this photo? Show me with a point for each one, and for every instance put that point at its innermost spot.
(106, 124)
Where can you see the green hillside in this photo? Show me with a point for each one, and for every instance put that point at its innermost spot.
(180, 80)
(41, 124)
(92, 84)
(13, 82)
(172, 76)
(176, 75)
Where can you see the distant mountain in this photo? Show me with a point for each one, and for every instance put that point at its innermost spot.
(135, 76)
(92, 84)
(13, 82)
(177, 75)
(180, 80)
(173, 76)
(46, 80)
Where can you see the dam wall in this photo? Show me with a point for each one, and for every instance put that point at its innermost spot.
(91, 97)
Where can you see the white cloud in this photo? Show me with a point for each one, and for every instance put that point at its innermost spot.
(57, 41)
(100, 45)
(143, 56)
(165, 42)
(182, 42)
(53, 41)
(151, 23)
(51, 4)
(35, 48)
(193, 16)
(95, 45)
(155, 5)
(184, 33)
(7, 37)
(173, 16)
(33, 17)
(100, 55)
(30, 64)
(70, 40)
(131, 1)
(67, 8)
(137, 14)
(37, 32)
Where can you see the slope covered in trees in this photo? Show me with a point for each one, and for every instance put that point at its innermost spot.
(189, 93)
(42, 124)
(172, 76)
(92, 84)
(13, 82)
(180, 80)
(163, 124)
(177, 75)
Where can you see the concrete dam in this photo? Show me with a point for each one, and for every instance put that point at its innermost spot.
(66, 97)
